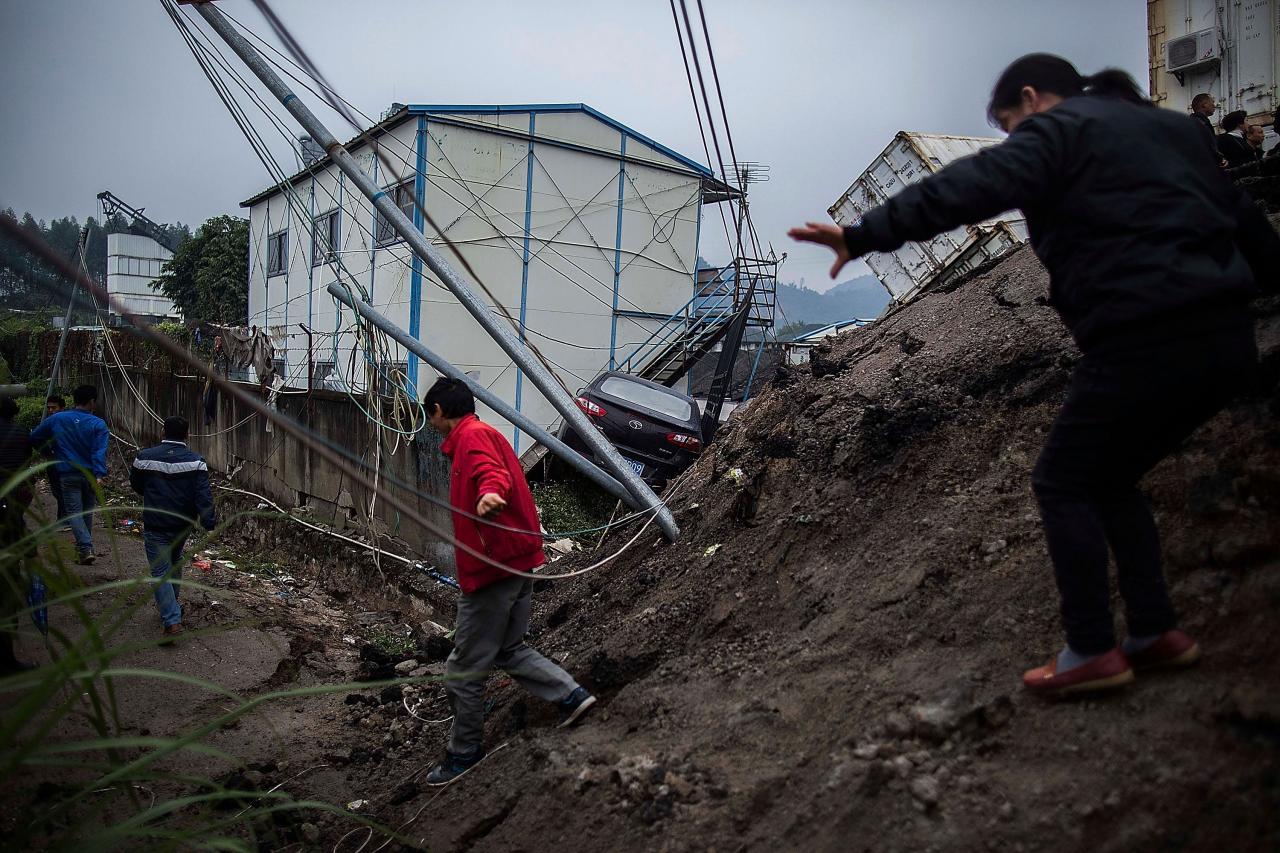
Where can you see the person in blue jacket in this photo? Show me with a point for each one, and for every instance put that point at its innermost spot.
(174, 483)
(79, 440)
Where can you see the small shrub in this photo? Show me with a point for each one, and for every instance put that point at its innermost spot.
(395, 645)
(572, 504)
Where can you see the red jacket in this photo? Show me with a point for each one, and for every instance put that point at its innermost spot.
(484, 463)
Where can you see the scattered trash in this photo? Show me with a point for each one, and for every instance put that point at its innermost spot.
(563, 546)
(350, 640)
(128, 526)
(738, 476)
(202, 562)
(357, 805)
(712, 549)
(226, 564)
(438, 577)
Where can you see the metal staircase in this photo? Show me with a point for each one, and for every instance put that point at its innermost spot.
(694, 330)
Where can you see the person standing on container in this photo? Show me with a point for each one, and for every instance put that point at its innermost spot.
(486, 482)
(1153, 257)
(79, 440)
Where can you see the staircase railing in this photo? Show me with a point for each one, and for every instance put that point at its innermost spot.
(710, 301)
(698, 323)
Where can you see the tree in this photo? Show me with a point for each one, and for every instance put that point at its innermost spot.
(208, 277)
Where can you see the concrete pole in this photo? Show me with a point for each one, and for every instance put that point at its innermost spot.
(484, 395)
(66, 323)
(499, 330)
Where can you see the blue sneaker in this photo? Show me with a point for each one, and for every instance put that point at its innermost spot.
(573, 706)
(453, 766)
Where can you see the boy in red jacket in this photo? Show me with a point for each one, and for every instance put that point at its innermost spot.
(488, 485)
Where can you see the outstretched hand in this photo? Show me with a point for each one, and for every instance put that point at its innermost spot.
(824, 234)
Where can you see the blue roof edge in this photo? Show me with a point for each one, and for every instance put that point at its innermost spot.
(497, 109)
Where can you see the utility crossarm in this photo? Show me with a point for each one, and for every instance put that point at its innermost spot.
(113, 204)
(502, 333)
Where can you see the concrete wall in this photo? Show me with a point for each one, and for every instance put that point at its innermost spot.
(277, 465)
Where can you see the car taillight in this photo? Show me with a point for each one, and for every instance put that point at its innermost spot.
(590, 408)
(688, 442)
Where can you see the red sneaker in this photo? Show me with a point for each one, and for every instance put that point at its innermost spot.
(1105, 672)
(1174, 648)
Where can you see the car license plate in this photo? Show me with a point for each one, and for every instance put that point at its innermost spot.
(638, 467)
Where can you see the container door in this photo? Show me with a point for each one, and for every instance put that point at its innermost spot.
(1255, 56)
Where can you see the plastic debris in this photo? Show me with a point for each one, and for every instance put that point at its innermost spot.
(562, 546)
(357, 805)
(738, 476)
(202, 562)
(128, 526)
(712, 549)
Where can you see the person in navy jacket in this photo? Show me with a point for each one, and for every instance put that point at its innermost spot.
(174, 483)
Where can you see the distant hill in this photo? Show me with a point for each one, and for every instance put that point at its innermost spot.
(859, 297)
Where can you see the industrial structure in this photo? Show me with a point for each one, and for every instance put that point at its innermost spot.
(135, 260)
(582, 229)
(1225, 49)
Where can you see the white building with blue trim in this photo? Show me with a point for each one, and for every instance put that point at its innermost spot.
(584, 229)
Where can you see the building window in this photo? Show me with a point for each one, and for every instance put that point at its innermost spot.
(277, 253)
(402, 197)
(325, 238)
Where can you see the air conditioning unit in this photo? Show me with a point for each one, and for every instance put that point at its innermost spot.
(1187, 53)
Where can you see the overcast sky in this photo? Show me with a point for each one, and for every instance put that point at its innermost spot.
(104, 94)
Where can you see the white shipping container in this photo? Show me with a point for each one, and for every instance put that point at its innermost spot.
(1238, 65)
(907, 271)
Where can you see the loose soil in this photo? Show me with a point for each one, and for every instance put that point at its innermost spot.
(829, 658)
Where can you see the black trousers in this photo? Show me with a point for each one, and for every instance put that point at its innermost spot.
(1125, 411)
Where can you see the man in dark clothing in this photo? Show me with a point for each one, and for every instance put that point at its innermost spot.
(52, 406)
(15, 453)
(1155, 295)
(1232, 145)
(79, 440)
(1203, 106)
(174, 483)
(494, 516)
(1253, 134)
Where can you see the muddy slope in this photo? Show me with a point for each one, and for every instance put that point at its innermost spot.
(829, 658)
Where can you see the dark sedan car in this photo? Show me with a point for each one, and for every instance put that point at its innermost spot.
(657, 430)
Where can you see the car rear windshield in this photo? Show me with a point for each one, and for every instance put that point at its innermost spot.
(654, 399)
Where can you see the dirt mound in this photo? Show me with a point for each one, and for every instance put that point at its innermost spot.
(829, 657)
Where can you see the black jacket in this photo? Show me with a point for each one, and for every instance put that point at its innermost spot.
(1135, 224)
(175, 480)
(1236, 150)
(1202, 121)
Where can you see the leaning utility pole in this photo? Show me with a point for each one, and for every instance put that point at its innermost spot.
(502, 333)
(83, 246)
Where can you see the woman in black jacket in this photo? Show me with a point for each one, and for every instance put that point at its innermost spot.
(1153, 257)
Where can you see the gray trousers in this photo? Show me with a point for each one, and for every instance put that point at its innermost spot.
(492, 623)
